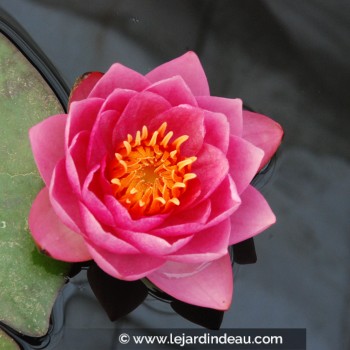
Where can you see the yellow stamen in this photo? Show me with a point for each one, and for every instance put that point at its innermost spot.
(137, 139)
(173, 153)
(166, 139)
(180, 140)
(148, 175)
(144, 133)
(153, 140)
(189, 176)
(127, 147)
(186, 162)
(133, 191)
(162, 128)
(116, 182)
(118, 156)
(175, 201)
(179, 185)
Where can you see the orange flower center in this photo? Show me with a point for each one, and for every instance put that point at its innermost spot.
(148, 174)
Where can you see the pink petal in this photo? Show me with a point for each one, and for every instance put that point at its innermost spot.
(100, 142)
(118, 100)
(102, 238)
(224, 201)
(174, 90)
(207, 284)
(127, 267)
(188, 67)
(211, 168)
(63, 200)
(252, 217)
(190, 196)
(47, 141)
(183, 120)
(221, 204)
(262, 132)
(76, 161)
(83, 86)
(206, 245)
(217, 130)
(153, 245)
(82, 116)
(92, 195)
(140, 110)
(123, 219)
(232, 108)
(244, 159)
(185, 223)
(54, 238)
(119, 76)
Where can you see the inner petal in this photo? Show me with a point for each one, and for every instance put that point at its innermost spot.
(148, 175)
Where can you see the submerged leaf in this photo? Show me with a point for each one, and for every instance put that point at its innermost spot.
(117, 297)
(244, 252)
(29, 281)
(203, 316)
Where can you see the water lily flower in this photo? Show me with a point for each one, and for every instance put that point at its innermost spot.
(149, 176)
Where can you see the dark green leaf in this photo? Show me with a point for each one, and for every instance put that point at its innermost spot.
(203, 316)
(7, 343)
(29, 281)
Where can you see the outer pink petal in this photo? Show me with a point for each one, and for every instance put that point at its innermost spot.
(127, 267)
(47, 140)
(189, 68)
(217, 130)
(244, 159)
(207, 285)
(252, 217)
(140, 110)
(206, 245)
(63, 200)
(232, 108)
(211, 168)
(262, 132)
(51, 235)
(82, 116)
(174, 90)
(119, 76)
(183, 120)
(83, 86)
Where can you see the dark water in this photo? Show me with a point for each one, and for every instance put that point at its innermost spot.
(287, 59)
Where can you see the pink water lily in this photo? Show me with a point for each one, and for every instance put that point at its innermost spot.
(149, 176)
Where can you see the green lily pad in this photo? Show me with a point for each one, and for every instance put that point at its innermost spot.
(29, 281)
(7, 343)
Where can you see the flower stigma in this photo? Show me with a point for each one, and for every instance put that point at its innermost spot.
(148, 175)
